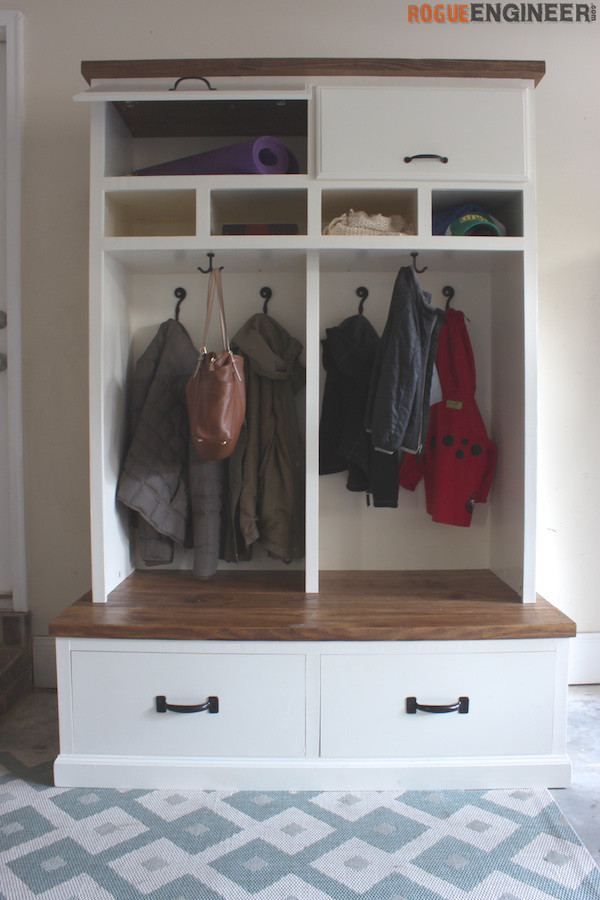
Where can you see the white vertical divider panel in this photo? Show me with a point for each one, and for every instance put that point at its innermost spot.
(424, 207)
(312, 358)
(507, 537)
(203, 213)
(116, 343)
(96, 420)
(108, 343)
(312, 421)
(530, 325)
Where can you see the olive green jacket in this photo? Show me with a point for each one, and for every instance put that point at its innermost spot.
(271, 481)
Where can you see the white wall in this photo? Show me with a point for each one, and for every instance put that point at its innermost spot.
(58, 35)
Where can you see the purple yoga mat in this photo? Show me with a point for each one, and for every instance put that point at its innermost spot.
(260, 156)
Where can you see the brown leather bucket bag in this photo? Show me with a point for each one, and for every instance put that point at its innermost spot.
(216, 392)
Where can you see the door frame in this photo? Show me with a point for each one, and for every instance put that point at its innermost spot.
(11, 30)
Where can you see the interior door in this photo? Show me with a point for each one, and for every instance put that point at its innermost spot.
(5, 569)
(13, 569)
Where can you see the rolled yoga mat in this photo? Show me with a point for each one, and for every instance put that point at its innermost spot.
(260, 156)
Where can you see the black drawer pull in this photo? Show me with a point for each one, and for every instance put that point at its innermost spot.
(442, 159)
(211, 706)
(461, 706)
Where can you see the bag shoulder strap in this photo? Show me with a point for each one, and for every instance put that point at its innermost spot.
(215, 281)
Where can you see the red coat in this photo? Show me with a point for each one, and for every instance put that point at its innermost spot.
(458, 459)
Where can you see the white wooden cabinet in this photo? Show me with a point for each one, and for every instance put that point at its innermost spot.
(321, 709)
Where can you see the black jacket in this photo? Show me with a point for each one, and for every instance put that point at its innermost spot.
(398, 403)
(348, 355)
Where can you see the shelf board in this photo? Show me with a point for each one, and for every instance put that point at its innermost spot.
(351, 606)
(178, 256)
(314, 66)
(208, 182)
(287, 253)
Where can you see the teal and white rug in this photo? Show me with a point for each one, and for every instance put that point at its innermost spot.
(99, 844)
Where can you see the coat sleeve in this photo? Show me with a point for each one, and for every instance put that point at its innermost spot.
(331, 422)
(155, 549)
(412, 469)
(393, 390)
(488, 473)
(206, 490)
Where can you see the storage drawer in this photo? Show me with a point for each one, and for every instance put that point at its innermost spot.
(261, 704)
(368, 133)
(511, 704)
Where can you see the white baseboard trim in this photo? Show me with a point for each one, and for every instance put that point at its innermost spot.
(153, 772)
(584, 658)
(44, 662)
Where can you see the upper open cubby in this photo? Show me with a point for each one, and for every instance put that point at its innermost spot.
(258, 212)
(145, 133)
(150, 213)
(388, 212)
(506, 206)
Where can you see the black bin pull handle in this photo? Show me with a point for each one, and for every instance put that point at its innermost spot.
(442, 159)
(211, 706)
(190, 77)
(461, 706)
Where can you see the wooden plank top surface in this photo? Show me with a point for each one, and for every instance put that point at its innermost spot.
(530, 70)
(351, 606)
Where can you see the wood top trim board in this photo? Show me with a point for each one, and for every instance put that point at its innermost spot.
(263, 67)
(351, 606)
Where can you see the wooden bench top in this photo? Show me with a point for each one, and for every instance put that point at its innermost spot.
(351, 606)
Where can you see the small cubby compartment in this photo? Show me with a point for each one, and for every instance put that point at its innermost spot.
(389, 203)
(142, 133)
(505, 206)
(267, 211)
(154, 213)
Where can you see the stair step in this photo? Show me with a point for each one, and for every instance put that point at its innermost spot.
(15, 676)
(8, 655)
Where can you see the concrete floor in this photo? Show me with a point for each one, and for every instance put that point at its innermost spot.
(30, 732)
(580, 803)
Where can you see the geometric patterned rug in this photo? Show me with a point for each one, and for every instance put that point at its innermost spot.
(101, 844)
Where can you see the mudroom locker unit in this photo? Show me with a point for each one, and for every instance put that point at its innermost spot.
(330, 670)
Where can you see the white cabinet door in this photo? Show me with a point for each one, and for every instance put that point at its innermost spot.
(363, 708)
(5, 503)
(261, 704)
(370, 132)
